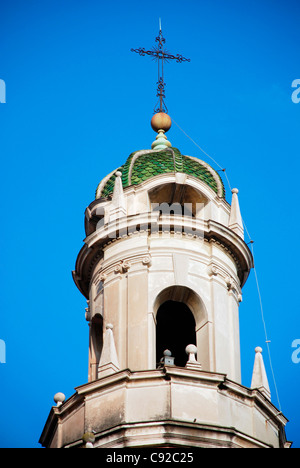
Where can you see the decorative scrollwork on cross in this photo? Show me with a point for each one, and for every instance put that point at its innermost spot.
(160, 55)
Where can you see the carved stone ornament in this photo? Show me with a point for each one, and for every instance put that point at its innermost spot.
(147, 260)
(99, 277)
(126, 265)
(87, 314)
(212, 270)
(229, 283)
(118, 268)
(103, 277)
(122, 267)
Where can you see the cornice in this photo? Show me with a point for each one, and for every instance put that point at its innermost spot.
(149, 223)
(169, 375)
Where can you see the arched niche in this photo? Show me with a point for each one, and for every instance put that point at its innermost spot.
(180, 198)
(185, 303)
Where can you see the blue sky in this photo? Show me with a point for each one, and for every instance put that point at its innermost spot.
(78, 102)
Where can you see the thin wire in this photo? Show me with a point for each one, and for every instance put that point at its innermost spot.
(250, 238)
(204, 152)
(225, 173)
(254, 268)
(197, 145)
(265, 328)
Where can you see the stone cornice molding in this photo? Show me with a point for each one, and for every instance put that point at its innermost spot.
(169, 376)
(148, 223)
(120, 267)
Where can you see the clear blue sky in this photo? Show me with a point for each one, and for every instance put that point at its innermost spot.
(78, 103)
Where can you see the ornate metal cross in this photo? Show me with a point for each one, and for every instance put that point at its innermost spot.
(160, 55)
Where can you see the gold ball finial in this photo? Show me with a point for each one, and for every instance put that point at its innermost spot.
(161, 121)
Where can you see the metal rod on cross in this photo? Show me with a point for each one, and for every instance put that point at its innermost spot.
(160, 55)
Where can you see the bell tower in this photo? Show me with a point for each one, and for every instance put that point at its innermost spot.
(162, 268)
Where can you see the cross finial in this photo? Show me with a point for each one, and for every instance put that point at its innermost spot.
(159, 54)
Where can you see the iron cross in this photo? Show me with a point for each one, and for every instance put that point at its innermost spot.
(160, 55)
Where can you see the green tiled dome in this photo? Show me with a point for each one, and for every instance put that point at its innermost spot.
(143, 165)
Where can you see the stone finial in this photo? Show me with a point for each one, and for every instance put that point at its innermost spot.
(59, 399)
(192, 363)
(118, 203)
(109, 363)
(235, 219)
(161, 141)
(259, 376)
(89, 439)
(161, 123)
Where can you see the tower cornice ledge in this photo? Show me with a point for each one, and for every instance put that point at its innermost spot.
(197, 394)
(152, 224)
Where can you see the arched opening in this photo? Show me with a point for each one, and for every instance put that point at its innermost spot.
(175, 329)
(184, 310)
(177, 199)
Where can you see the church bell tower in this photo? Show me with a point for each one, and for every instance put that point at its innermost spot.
(162, 268)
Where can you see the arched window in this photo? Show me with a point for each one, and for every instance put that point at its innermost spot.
(180, 312)
(175, 329)
(175, 199)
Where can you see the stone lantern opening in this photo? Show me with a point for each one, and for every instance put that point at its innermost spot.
(177, 199)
